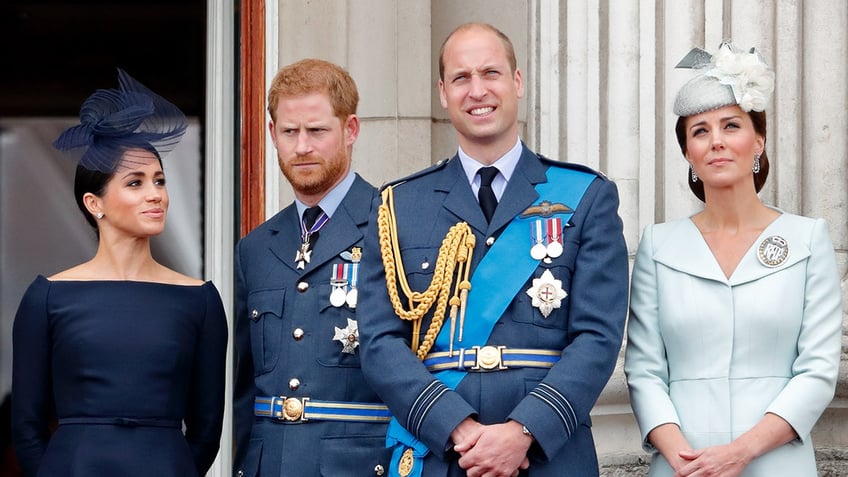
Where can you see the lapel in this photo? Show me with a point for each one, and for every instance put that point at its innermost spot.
(518, 195)
(284, 238)
(459, 198)
(520, 191)
(680, 245)
(340, 233)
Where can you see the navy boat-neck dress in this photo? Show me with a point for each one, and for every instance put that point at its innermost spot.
(131, 372)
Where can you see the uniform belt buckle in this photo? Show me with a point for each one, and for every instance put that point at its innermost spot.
(291, 409)
(488, 358)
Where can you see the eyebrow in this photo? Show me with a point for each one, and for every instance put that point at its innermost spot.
(141, 174)
(721, 120)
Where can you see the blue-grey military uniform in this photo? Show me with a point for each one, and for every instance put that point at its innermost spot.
(287, 351)
(554, 402)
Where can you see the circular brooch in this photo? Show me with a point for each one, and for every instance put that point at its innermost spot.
(773, 251)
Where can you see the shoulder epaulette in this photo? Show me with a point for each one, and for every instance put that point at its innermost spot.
(423, 172)
(573, 166)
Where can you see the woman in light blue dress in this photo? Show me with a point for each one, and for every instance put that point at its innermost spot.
(735, 314)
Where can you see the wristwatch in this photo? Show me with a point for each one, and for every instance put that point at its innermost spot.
(527, 432)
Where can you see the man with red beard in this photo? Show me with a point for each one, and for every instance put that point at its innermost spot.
(302, 407)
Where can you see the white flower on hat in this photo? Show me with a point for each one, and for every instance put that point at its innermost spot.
(751, 80)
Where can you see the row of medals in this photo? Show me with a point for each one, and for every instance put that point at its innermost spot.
(344, 279)
(546, 236)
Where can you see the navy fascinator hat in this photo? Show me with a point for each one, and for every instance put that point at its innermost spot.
(113, 121)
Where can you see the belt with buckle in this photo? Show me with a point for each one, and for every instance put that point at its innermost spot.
(303, 409)
(491, 358)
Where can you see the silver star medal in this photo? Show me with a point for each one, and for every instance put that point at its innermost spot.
(348, 336)
(547, 293)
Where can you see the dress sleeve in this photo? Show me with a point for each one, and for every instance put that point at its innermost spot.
(815, 370)
(645, 361)
(205, 412)
(32, 402)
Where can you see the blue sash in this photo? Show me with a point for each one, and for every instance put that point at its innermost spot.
(492, 290)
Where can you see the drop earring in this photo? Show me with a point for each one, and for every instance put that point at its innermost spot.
(694, 176)
(756, 167)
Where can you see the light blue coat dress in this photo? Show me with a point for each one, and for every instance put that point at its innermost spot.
(713, 354)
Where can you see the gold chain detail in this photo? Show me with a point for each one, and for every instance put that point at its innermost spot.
(453, 260)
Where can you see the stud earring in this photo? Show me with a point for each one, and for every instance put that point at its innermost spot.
(694, 176)
(99, 215)
(756, 167)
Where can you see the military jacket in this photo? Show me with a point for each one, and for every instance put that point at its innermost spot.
(286, 345)
(587, 328)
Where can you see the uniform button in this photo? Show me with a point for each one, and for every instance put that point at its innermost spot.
(379, 470)
(294, 383)
(490, 241)
(240, 473)
(297, 334)
(302, 286)
(254, 313)
(425, 265)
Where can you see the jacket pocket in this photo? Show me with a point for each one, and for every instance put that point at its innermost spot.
(338, 340)
(265, 308)
(343, 456)
(419, 264)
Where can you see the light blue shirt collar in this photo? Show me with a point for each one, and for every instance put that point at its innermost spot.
(506, 166)
(330, 202)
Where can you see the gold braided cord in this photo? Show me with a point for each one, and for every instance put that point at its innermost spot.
(453, 259)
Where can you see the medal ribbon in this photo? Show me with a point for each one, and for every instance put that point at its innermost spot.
(319, 222)
(353, 274)
(536, 233)
(554, 230)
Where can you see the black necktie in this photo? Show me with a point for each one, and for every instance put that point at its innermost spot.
(310, 215)
(486, 195)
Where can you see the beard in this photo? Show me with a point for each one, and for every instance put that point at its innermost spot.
(319, 180)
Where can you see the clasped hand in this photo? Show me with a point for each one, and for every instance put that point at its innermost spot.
(497, 450)
(715, 461)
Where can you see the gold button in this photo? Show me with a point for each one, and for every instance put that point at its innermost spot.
(302, 287)
(294, 383)
(297, 334)
(379, 470)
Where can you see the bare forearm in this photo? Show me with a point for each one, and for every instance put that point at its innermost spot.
(668, 439)
(769, 434)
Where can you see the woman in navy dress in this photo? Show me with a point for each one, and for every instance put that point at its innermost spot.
(126, 354)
